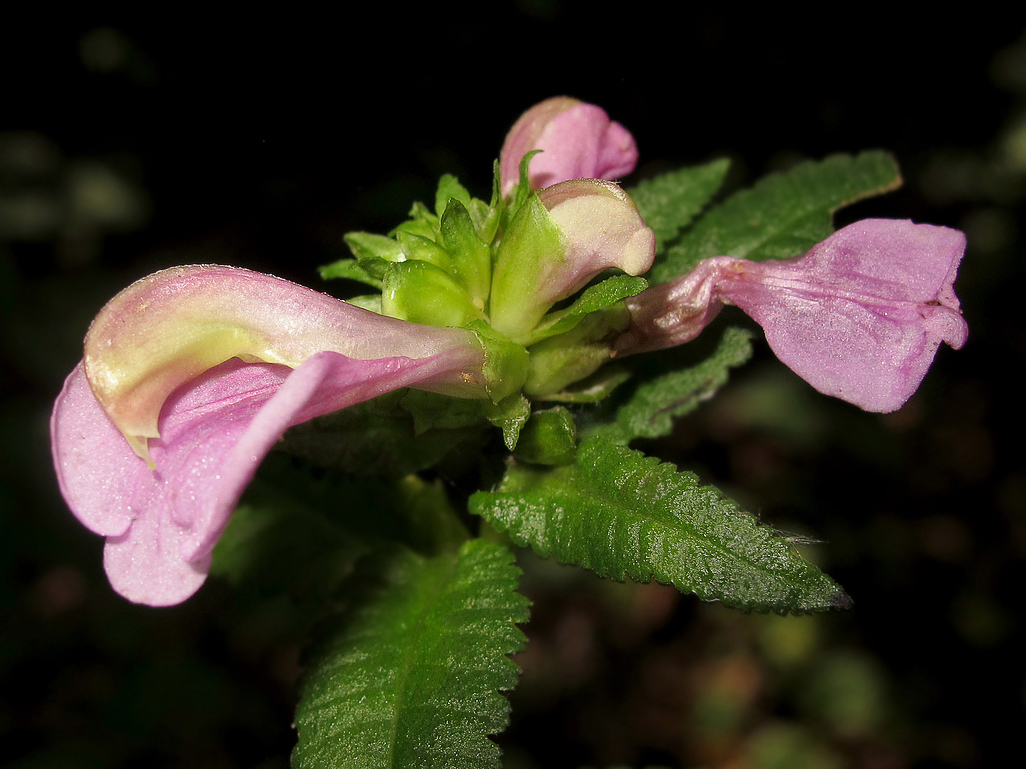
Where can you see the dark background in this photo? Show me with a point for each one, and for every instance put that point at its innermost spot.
(134, 142)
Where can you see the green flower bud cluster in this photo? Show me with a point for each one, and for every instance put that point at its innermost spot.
(508, 269)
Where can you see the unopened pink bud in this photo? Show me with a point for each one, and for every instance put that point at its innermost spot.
(578, 141)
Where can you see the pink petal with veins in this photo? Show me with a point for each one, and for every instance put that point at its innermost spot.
(859, 317)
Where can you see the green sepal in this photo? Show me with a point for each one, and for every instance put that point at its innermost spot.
(487, 216)
(783, 215)
(370, 302)
(506, 362)
(421, 216)
(559, 361)
(622, 514)
(367, 245)
(422, 293)
(471, 257)
(449, 188)
(523, 188)
(410, 674)
(549, 438)
(351, 269)
(423, 228)
(594, 298)
(509, 415)
(529, 243)
(424, 249)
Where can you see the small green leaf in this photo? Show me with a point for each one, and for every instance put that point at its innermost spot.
(423, 249)
(449, 187)
(410, 677)
(594, 298)
(784, 215)
(669, 202)
(594, 388)
(622, 514)
(367, 245)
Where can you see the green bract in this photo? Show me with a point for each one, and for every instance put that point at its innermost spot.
(502, 268)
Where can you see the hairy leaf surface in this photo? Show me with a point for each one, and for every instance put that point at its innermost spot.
(412, 674)
(622, 514)
(653, 407)
(670, 201)
(784, 215)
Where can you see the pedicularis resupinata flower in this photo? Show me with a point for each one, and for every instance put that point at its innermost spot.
(192, 374)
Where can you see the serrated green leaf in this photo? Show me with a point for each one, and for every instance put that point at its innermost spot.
(670, 201)
(652, 409)
(784, 215)
(622, 514)
(411, 676)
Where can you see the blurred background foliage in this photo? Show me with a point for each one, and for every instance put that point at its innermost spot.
(135, 141)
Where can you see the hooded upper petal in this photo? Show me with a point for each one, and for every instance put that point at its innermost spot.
(190, 377)
(859, 317)
(161, 524)
(171, 326)
(578, 141)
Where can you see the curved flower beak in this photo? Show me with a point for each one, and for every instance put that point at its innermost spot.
(176, 355)
(171, 326)
(859, 317)
(578, 141)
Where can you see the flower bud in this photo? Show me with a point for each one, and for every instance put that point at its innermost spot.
(560, 239)
(578, 141)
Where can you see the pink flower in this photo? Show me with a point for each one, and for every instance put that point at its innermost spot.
(859, 317)
(190, 376)
(578, 141)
